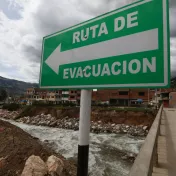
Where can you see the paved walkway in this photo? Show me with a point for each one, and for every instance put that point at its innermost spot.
(166, 145)
(170, 124)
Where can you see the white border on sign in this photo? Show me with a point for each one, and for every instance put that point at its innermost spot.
(165, 32)
(165, 38)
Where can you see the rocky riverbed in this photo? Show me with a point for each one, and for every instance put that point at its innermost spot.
(8, 114)
(73, 123)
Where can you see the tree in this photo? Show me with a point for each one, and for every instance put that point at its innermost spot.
(173, 82)
(3, 95)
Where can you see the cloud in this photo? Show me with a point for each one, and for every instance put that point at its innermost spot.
(172, 3)
(173, 36)
(21, 40)
(173, 21)
(172, 18)
(173, 56)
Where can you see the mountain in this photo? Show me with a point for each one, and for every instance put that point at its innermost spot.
(15, 87)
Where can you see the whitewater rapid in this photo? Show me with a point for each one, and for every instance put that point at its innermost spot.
(104, 156)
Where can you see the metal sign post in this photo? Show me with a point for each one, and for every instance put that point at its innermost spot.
(84, 130)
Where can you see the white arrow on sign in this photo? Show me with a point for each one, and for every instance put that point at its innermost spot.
(134, 43)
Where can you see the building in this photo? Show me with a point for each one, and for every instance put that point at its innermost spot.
(120, 97)
(54, 96)
(35, 94)
(123, 97)
(162, 96)
(43, 95)
(74, 96)
(65, 96)
(172, 99)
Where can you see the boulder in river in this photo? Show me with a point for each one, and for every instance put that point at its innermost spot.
(34, 166)
(55, 166)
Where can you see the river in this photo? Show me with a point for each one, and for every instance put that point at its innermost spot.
(106, 150)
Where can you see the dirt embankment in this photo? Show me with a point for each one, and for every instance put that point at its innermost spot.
(16, 146)
(124, 117)
(128, 116)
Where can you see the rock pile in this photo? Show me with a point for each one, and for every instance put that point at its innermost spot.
(73, 124)
(8, 114)
(99, 127)
(96, 127)
(35, 166)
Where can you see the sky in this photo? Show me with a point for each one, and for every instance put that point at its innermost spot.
(23, 23)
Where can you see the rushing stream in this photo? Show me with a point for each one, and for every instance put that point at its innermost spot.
(104, 157)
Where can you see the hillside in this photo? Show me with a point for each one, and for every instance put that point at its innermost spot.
(15, 87)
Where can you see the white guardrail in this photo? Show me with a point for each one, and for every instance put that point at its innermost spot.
(147, 157)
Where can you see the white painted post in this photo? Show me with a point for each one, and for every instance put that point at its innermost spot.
(84, 130)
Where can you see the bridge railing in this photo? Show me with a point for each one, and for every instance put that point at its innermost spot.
(147, 157)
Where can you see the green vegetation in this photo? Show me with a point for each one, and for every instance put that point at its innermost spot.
(66, 104)
(11, 107)
(28, 109)
(173, 83)
(32, 109)
(25, 111)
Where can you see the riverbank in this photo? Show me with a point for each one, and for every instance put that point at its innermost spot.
(109, 154)
(118, 121)
(17, 146)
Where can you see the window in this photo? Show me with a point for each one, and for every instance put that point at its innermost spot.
(65, 95)
(123, 93)
(141, 93)
(72, 96)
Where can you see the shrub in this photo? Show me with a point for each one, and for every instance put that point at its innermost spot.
(67, 104)
(11, 107)
(25, 112)
(40, 103)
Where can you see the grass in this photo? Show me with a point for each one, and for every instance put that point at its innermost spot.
(27, 109)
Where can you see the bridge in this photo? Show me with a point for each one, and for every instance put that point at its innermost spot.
(157, 156)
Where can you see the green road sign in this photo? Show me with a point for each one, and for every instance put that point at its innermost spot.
(128, 47)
